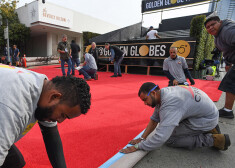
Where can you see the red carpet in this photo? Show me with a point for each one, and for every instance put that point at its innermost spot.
(116, 116)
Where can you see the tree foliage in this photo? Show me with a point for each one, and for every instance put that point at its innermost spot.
(205, 41)
(18, 33)
(87, 36)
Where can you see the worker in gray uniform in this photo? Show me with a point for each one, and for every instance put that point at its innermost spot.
(184, 116)
(176, 69)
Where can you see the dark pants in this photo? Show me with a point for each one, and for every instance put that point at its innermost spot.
(75, 61)
(88, 72)
(228, 82)
(14, 159)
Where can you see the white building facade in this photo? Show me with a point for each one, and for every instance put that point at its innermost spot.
(48, 22)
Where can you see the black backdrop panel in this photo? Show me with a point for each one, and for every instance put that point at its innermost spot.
(150, 52)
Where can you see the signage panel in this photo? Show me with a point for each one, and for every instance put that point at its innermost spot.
(151, 52)
(151, 5)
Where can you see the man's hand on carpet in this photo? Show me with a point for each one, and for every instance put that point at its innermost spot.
(135, 141)
(175, 82)
(128, 150)
(192, 81)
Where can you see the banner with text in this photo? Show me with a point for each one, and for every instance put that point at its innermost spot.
(151, 5)
(151, 52)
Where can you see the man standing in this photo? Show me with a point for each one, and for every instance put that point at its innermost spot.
(184, 117)
(176, 68)
(16, 55)
(152, 34)
(224, 33)
(65, 52)
(75, 55)
(94, 52)
(41, 101)
(117, 56)
(89, 69)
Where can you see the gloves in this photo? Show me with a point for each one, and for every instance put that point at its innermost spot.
(192, 81)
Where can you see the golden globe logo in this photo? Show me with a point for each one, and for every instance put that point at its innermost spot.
(143, 50)
(183, 48)
(173, 1)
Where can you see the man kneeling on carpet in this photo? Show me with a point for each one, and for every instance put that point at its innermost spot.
(89, 69)
(184, 116)
(176, 69)
(39, 100)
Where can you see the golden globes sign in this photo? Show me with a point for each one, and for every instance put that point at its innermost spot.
(151, 5)
(151, 52)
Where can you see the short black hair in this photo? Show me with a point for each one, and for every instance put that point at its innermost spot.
(146, 87)
(73, 41)
(106, 44)
(214, 18)
(75, 91)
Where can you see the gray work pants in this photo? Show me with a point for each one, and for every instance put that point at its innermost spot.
(185, 137)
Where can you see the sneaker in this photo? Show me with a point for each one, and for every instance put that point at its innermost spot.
(216, 130)
(120, 75)
(113, 76)
(221, 141)
(225, 114)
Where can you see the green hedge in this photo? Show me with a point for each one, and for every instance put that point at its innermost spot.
(204, 41)
(87, 36)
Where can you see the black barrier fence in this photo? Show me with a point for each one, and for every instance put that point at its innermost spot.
(149, 52)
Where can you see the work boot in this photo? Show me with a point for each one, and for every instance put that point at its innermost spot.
(215, 130)
(221, 141)
(225, 114)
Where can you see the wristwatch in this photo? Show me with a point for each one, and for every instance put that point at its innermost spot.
(142, 139)
(136, 146)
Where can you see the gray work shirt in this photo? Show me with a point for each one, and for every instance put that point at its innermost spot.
(181, 103)
(18, 101)
(90, 61)
(176, 68)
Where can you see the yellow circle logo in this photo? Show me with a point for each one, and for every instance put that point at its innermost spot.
(183, 48)
(173, 1)
(143, 50)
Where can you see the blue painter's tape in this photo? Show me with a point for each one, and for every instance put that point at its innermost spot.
(117, 156)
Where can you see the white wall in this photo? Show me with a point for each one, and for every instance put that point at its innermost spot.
(78, 22)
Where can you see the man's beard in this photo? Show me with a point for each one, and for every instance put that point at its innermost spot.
(154, 101)
(42, 113)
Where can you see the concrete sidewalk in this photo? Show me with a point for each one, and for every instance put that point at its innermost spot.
(167, 157)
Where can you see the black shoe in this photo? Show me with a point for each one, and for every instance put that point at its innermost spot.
(96, 76)
(87, 79)
(120, 75)
(113, 76)
(225, 114)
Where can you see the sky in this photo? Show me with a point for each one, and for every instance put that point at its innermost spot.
(122, 12)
